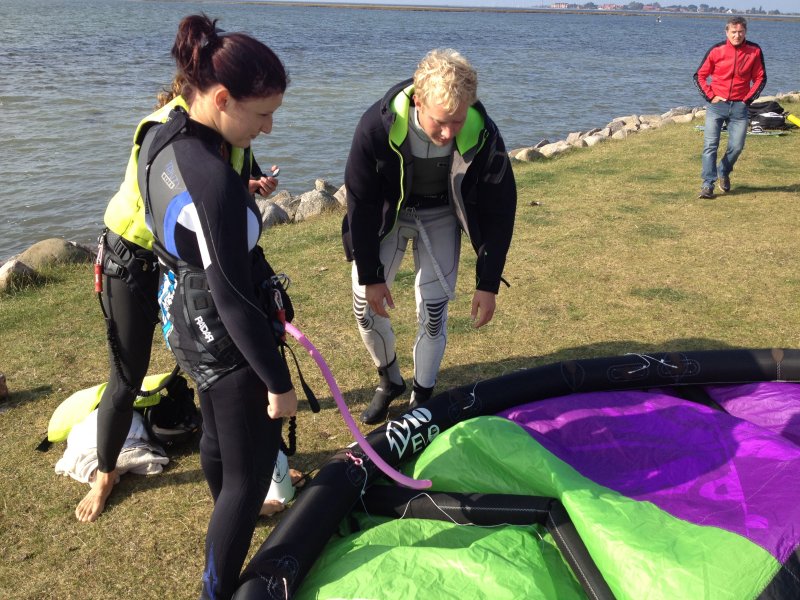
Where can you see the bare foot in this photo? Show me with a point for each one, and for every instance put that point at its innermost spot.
(271, 507)
(94, 502)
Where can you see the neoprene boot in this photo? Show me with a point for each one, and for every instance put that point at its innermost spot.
(419, 395)
(378, 409)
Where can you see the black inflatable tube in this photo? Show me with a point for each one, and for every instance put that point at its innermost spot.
(289, 552)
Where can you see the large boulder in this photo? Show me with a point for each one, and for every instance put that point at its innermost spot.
(555, 148)
(15, 274)
(288, 203)
(529, 155)
(314, 203)
(54, 251)
(272, 214)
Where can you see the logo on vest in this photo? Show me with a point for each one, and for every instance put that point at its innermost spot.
(169, 177)
(201, 325)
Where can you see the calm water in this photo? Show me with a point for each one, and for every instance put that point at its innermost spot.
(78, 76)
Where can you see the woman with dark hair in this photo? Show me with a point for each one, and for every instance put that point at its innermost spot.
(217, 292)
(128, 295)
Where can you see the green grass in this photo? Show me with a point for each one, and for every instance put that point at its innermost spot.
(612, 253)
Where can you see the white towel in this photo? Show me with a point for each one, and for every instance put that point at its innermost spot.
(138, 455)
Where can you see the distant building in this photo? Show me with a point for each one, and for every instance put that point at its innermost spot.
(610, 7)
(559, 5)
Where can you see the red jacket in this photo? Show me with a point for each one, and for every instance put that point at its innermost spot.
(737, 72)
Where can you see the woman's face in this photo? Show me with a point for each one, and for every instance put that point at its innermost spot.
(242, 121)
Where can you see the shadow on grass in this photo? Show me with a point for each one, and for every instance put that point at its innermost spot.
(738, 190)
(19, 397)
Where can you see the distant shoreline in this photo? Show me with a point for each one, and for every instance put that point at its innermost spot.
(545, 10)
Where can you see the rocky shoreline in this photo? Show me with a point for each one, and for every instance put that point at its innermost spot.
(23, 269)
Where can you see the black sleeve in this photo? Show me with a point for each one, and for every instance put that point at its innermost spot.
(497, 206)
(365, 201)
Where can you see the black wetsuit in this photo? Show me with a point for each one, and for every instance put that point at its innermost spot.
(204, 219)
(132, 311)
(130, 302)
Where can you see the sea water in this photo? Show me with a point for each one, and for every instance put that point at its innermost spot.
(76, 78)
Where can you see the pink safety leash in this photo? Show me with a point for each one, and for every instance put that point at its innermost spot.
(386, 469)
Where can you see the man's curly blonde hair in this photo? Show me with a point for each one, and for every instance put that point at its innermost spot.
(446, 78)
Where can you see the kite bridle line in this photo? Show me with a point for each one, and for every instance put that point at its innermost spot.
(386, 469)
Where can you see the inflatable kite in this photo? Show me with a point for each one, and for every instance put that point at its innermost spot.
(660, 476)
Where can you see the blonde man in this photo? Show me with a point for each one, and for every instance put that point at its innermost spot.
(426, 163)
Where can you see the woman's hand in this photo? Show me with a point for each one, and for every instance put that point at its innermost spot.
(265, 185)
(282, 405)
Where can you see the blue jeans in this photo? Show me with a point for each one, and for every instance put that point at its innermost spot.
(736, 117)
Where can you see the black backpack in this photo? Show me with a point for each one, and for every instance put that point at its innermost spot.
(767, 115)
(176, 418)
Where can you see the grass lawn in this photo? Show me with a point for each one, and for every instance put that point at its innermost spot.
(612, 253)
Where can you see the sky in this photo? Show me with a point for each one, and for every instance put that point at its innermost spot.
(785, 6)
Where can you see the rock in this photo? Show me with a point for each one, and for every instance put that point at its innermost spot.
(700, 114)
(620, 134)
(321, 185)
(555, 148)
(288, 203)
(314, 203)
(53, 251)
(341, 196)
(652, 120)
(629, 120)
(14, 273)
(676, 112)
(529, 155)
(272, 214)
(685, 118)
(574, 137)
(615, 126)
(542, 143)
(593, 140)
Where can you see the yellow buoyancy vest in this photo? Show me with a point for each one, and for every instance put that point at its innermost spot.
(75, 408)
(125, 211)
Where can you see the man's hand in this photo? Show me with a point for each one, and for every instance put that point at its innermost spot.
(377, 294)
(282, 405)
(483, 306)
(717, 99)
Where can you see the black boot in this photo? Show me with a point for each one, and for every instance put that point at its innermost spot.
(378, 409)
(419, 395)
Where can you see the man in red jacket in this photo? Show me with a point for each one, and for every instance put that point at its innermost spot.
(737, 73)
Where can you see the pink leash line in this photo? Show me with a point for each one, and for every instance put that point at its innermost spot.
(386, 469)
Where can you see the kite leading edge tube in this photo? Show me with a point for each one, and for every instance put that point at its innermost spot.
(386, 469)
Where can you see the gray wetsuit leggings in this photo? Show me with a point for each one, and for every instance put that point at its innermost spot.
(436, 244)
